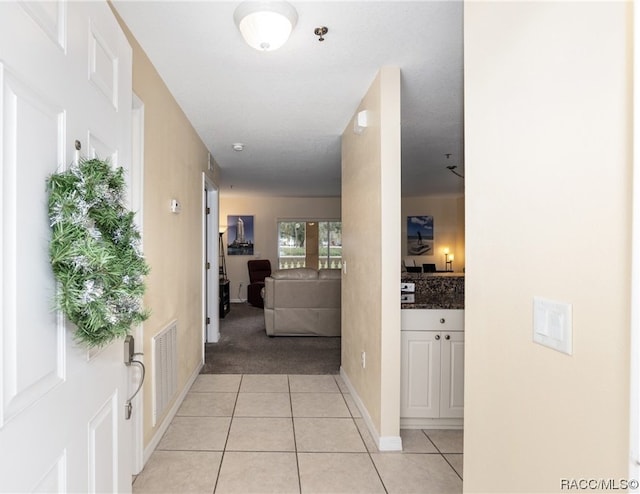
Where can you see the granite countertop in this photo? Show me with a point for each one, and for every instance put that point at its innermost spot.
(436, 290)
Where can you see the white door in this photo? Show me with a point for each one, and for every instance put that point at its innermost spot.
(420, 374)
(65, 74)
(452, 384)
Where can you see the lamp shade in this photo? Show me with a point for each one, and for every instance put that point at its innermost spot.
(265, 26)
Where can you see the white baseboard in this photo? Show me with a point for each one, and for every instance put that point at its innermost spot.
(390, 443)
(425, 423)
(384, 443)
(162, 428)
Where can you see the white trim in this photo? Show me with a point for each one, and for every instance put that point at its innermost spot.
(634, 391)
(166, 422)
(390, 443)
(428, 423)
(384, 443)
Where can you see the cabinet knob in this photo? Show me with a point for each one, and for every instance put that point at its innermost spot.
(437, 337)
(442, 321)
(447, 337)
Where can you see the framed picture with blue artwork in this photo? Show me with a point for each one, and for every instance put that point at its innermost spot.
(239, 235)
(419, 235)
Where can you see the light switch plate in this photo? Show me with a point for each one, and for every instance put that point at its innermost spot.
(552, 324)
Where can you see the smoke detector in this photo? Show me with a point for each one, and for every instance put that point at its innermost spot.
(237, 146)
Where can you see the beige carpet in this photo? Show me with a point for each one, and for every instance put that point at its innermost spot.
(245, 348)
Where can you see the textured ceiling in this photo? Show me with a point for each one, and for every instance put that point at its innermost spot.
(290, 107)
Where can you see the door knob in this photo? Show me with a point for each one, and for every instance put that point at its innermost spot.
(447, 337)
(437, 337)
(442, 321)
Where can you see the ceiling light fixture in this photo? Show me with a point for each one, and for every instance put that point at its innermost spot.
(237, 146)
(265, 26)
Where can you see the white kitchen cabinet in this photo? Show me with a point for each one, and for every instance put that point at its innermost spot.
(432, 368)
(420, 374)
(452, 374)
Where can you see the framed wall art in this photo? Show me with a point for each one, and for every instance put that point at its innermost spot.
(419, 235)
(239, 235)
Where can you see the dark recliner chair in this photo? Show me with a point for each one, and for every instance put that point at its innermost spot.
(259, 269)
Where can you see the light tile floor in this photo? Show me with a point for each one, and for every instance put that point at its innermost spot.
(291, 434)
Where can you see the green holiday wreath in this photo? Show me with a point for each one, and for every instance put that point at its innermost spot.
(95, 252)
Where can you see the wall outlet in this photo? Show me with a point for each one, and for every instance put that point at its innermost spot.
(175, 206)
(363, 358)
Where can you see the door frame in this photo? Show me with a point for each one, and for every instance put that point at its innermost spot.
(137, 203)
(210, 248)
(634, 391)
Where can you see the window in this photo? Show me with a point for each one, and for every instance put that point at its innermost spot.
(309, 243)
(291, 249)
(330, 244)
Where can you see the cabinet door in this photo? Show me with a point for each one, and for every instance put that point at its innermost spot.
(420, 374)
(452, 379)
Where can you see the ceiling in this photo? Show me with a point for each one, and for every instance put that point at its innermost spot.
(290, 107)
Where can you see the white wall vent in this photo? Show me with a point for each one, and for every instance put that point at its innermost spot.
(165, 369)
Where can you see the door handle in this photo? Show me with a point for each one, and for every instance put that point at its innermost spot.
(129, 361)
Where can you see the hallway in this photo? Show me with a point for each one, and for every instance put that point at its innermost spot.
(291, 434)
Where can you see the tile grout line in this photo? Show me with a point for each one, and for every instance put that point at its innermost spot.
(443, 454)
(449, 463)
(363, 441)
(295, 443)
(226, 441)
(375, 467)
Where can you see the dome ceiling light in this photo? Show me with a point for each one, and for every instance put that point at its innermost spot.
(265, 26)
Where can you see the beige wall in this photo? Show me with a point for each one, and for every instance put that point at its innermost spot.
(266, 212)
(548, 206)
(174, 160)
(448, 219)
(370, 238)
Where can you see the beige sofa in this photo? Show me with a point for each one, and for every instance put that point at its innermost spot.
(302, 302)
